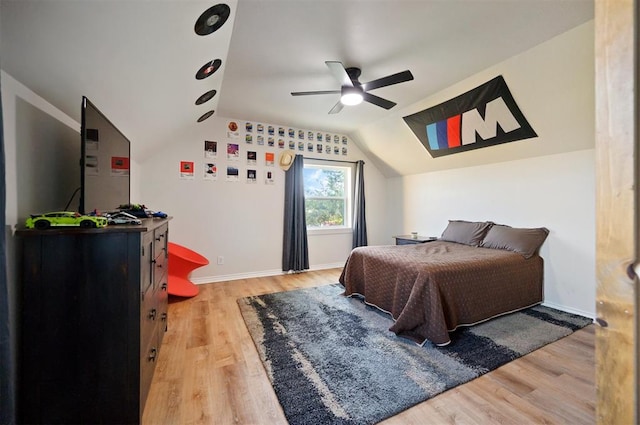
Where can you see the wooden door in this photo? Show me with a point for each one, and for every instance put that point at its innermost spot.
(616, 60)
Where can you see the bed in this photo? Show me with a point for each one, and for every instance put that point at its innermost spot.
(474, 272)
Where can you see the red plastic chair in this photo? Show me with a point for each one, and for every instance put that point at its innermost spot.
(182, 261)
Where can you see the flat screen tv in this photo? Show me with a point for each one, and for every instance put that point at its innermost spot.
(105, 171)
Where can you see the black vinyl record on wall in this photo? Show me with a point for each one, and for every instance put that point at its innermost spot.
(205, 116)
(208, 68)
(212, 19)
(205, 97)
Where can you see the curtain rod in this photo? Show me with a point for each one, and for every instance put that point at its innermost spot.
(332, 160)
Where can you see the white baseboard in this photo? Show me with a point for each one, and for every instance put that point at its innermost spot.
(262, 273)
(569, 309)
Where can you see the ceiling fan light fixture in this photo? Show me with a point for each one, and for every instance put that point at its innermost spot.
(351, 96)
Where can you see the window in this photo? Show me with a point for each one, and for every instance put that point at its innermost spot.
(327, 195)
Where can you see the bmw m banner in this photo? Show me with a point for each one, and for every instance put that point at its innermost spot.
(484, 116)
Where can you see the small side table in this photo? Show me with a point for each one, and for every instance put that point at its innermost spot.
(410, 240)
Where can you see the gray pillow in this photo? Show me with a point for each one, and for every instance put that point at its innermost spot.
(466, 232)
(523, 241)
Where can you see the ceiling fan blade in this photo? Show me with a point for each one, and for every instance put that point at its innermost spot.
(306, 93)
(378, 101)
(338, 71)
(336, 108)
(400, 77)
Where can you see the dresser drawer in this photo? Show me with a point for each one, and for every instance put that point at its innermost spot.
(161, 236)
(160, 265)
(148, 358)
(149, 317)
(146, 262)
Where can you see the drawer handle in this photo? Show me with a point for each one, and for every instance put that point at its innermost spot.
(164, 317)
(152, 354)
(164, 286)
(152, 314)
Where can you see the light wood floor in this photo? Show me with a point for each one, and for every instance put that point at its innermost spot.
(209, 372)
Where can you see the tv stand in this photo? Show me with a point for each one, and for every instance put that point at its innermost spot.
(93, 313)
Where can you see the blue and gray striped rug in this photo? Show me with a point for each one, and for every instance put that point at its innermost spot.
(332, 360)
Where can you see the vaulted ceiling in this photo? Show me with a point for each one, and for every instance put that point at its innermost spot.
(137, 59)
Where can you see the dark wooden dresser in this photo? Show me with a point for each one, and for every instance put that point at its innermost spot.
(93, 313)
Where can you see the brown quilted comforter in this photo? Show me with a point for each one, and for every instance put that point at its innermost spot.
(432, 288)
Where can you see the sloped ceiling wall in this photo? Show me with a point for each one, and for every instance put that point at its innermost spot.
(550, 83)
(136, 60)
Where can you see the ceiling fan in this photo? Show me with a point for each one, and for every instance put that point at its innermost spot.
(352, 92)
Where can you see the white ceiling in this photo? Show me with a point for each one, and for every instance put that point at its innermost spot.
(136, 59)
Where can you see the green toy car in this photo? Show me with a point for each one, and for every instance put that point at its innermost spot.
(64, 219)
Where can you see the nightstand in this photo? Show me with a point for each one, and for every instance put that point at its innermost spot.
(411, 240)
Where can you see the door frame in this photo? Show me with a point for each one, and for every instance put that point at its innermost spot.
(617, 112)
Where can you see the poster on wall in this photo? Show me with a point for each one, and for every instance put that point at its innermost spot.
(233, 130)
(233, 152)
(251, 176)
(186, 170)
(232, 174)
(92, 165)
(268, 177)
(252, 157)
(210, 149)
(484, 116)
(210, 171)
(119, 166)
(269, 159)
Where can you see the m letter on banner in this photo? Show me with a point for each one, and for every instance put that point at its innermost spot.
(484, 116)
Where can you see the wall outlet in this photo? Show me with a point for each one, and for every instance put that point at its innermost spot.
(220, 260)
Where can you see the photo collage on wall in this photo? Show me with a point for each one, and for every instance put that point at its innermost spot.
(255, 159)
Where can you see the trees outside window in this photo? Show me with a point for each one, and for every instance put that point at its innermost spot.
(327, 191)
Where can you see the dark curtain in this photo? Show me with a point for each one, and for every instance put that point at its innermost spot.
(295, 250)
(6, 364)
(359, 220)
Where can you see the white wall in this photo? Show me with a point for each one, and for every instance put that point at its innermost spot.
(555, 191)
(551, 181)
(239, 221)
(13, 93)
